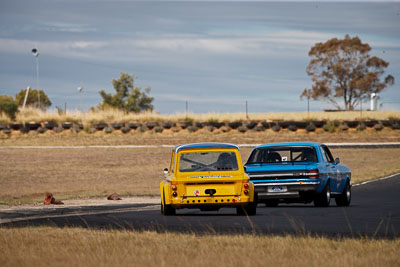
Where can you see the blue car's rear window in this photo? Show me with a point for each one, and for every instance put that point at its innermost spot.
(283, 154)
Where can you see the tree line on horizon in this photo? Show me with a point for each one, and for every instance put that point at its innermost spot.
(340, 69)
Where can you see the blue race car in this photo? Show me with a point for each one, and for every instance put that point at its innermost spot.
(298, 172)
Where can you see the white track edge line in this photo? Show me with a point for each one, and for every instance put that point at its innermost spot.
(376, 180)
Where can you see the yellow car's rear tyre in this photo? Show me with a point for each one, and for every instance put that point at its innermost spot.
(249, 210)
(167, 210)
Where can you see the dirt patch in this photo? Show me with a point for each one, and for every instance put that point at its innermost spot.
(90, 202)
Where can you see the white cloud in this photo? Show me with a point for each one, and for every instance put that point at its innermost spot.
(277, 44)
(49, 47)
(65, 27)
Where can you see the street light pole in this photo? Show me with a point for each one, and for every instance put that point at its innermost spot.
(80, 90)
(35, 53)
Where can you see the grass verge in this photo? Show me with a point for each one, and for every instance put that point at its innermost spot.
(26, 174)
(112, 115)
(46, 246)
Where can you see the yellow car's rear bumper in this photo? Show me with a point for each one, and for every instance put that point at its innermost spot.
(219, 201)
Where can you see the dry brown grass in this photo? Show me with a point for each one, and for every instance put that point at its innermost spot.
(80, 247)
(31, 114)
(369, 164)
(75, 173)
(26, 174)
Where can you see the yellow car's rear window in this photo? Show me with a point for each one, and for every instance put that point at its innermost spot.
(208, 161)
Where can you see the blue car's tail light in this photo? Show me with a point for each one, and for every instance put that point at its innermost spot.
(313, 174)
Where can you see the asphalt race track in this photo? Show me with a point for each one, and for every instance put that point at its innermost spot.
(374, 212)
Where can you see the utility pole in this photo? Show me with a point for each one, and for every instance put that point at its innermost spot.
(187, 108)
(247, 111)
(26, 97)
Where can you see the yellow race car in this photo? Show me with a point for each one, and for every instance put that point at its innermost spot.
(207, 176)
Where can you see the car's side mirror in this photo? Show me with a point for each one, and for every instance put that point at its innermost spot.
(165, 171)
(337, 161)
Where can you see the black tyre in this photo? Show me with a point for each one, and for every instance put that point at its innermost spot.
(66, 125)
(323, 199)
(117, 126)
(24, 130)
(162, 208)
(125, 130)
(242, 129)
(167, 210)
(240, 211)
(42, 130)
(272, 203)
(344, 199)
(249, 210)
(235, 124)
(108, 130)
(158, 129)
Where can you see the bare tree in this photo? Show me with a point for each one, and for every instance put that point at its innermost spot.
(343, 69)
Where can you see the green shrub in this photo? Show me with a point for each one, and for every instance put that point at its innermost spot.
(329, 127)
(8, 106)
(336, 123)
(189, 119)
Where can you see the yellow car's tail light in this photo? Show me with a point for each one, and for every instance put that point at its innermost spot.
(174, 188)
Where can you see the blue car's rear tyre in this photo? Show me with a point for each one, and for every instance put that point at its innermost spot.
(344, 199)
(323, 199)
(271, 202)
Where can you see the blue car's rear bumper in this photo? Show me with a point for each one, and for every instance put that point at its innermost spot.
(288, 188)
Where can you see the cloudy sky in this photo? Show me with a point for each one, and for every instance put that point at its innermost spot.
(215, 55)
